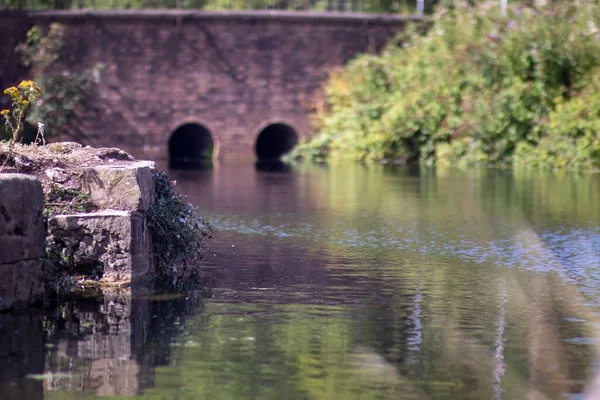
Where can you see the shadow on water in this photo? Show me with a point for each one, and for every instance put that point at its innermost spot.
(191, 164)
(273, 166)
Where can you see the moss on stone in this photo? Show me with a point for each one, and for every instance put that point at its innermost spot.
(179, 233)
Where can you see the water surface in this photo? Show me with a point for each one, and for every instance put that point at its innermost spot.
(346, 282)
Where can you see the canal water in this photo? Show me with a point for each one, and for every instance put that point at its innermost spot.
(345, 282)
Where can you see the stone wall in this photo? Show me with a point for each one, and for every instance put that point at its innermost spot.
(232, 72)
(98, 206)
(22, 239)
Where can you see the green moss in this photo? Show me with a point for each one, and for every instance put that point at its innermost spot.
(60, 200)
(179, 233)
(57, 269)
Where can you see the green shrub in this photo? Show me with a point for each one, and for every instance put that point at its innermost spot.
(475, 88)
(572, 135)
(64, 90)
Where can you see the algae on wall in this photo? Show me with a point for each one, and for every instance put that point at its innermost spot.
(178, 231)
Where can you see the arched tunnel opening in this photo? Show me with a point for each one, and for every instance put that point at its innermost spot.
(274, 141)
(190, 145)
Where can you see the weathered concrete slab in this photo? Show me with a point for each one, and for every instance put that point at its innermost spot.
(20, 283)
(22, 235)
(118, 243)
(121, 187)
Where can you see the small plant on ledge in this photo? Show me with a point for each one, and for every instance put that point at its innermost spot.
(23, 97)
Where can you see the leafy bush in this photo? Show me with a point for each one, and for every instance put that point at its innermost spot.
(475, 88)
(571, 138)
(64, 90)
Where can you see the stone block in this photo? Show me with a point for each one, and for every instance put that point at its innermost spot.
(121, 187)
(7, 286)
(29, 277)
(22, 234)
(20, 283)
(119, 243)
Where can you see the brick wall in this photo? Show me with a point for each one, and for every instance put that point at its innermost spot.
(233, 72)
(13, 29)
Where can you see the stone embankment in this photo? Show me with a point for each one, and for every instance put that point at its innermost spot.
(22, 239)
(96, 205)
(113, 242)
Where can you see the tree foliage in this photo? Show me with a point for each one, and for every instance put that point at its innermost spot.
(475, 89)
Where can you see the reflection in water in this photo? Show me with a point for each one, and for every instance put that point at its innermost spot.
(193, 164)
(97, 345)
(273, 166)
(356, 282)
(21, 354)
(499, 353)
(415, 334)
(110, 343)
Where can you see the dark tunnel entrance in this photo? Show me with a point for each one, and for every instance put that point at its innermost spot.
(190, 145)
(274, 141)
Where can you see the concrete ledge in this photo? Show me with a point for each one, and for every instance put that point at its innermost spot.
(121, 187)
(119, 243)
(22, 235)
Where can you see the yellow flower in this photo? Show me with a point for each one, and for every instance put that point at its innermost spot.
(11, 91)
(5, 113)
(24, 85)
(14, 93)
